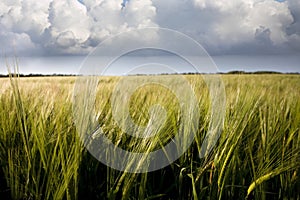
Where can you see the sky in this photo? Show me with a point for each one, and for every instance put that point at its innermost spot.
(55, 36)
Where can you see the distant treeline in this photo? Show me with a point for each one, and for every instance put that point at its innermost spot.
(230, 72)
(34, 75)
(185, 73)
(259, 72)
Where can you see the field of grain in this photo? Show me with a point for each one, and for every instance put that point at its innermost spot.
(256, 157)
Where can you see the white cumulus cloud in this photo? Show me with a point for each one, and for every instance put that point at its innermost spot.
(52, 27)
(68, 27)
(261, 22)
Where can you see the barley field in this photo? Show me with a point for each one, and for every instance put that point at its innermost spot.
(256, 157)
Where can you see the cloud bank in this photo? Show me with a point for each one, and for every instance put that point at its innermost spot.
(70, 27)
